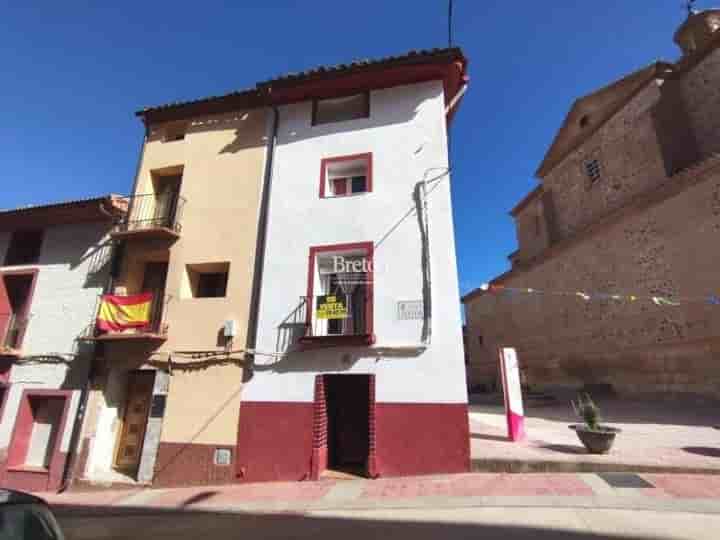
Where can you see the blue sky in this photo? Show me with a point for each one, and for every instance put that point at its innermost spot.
(74, 73)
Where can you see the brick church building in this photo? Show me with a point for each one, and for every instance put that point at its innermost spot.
(628, 203)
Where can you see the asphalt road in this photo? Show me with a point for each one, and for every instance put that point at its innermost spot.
(397, 524)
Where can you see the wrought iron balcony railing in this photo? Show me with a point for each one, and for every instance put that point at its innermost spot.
(154, 329)
(153, 212)
(336, 315)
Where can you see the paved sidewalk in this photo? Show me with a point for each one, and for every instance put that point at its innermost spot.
(675, 492)
(657, 436)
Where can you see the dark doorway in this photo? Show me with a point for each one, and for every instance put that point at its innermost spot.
(348, 413)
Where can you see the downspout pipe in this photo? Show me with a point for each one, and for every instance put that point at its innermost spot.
(71, 460)
(253, 314)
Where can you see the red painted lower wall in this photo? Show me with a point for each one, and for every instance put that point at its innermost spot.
(275, 441)
(421, 438)
(185, 464)
(35, 479)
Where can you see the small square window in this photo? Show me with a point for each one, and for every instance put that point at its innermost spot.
(326, 111)
(205, 280)
(592, 170)
(174, 132)
(212, 285)
(24, 247)
(347, 175)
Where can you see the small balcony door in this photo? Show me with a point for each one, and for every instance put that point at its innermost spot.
(132, 430)
(166, 200)
(154, 281)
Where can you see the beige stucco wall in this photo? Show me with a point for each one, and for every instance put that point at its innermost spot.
(222, 161)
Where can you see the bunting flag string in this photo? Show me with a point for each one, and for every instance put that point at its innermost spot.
(588, 296)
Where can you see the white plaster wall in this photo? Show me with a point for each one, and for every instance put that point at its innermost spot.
(406, 134)
(71, 273)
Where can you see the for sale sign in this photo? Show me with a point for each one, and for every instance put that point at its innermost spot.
(331, 307)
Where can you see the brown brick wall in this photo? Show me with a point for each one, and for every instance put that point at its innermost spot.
(668, 249)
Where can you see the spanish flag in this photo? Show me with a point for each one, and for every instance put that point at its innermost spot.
(122, 312)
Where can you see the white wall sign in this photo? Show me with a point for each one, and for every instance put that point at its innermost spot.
(410, 310)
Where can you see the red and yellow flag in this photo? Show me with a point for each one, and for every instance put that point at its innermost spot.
(122, 312)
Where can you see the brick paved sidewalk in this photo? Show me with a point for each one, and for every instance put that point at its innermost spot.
(687, 492)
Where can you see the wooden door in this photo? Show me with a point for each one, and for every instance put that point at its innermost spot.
(137, 407)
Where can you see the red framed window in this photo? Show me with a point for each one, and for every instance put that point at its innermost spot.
(339, 302)
(38, 429)
(16, 292)
(343, 176)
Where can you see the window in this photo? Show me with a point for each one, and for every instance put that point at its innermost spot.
(174, 132)
(346, 175)
(16, 301)
(341, 109)
(592, 170)
(206, 280)
(46, 414)
(24, 247)
(480, 340)
(339, 301)
(212, 285)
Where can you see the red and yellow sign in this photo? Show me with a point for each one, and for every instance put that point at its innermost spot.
(331, 307)
(122, 312)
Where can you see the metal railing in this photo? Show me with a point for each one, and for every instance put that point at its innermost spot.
(14, 332)
(157, 323)
(344, 317)
(153, 211)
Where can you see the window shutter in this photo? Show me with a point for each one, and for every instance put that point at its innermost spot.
(340, 186)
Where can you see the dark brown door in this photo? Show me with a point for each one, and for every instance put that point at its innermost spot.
(154, 281)
(348, 408)
(137, 407)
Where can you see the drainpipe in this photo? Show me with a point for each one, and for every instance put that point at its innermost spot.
(251, 340)
(70, 461)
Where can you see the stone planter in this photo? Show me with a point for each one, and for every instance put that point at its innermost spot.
(596, 441)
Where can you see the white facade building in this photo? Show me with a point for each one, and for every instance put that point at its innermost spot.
(359, 227)
(54, 262)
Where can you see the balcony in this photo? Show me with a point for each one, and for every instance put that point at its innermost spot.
(337, 320)
(12, 340)
(130, 321)
(152, 216)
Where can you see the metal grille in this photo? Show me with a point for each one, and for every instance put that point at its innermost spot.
(592, 169)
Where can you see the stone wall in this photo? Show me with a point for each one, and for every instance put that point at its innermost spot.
(666, 248)
(631, 162)
(701, 92)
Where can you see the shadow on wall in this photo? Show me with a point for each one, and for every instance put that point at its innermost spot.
(112, 523)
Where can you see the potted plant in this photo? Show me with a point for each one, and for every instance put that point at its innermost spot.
(598, 439)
